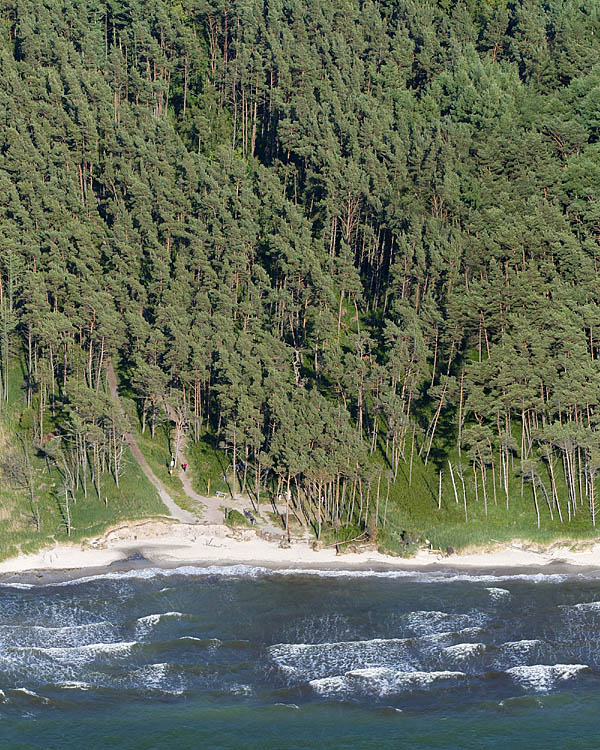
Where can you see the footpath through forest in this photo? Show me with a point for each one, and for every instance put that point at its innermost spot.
(212, 507)
(176, 512)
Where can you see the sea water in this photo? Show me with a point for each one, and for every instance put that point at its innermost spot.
(244, 657)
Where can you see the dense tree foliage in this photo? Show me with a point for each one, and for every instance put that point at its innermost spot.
(318, 230)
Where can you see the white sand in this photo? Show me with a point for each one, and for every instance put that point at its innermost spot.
(165, 543)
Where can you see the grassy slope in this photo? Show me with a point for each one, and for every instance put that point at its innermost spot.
(157, 450)
(413, 508)
(157, 453)
(135, 499)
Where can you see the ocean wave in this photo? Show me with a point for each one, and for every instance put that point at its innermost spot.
(313, 660)
(240, 689)
(431, 622)
(247, 571)
(154, 618)
(543, 677)
(461, 651)
(74, 685)
(31, 695)
(65, 636)
(16, 585)
(54, 628)
(440, 576)
(309, 661)
(381, 681)
(209, 643)
(586, 606)
(519, 653)
(498, 594)
(145, 625)
(159, 677)
(253, 571)
(76, 655)
(524, 645)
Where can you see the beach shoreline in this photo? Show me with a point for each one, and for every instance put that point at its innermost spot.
(156, 544)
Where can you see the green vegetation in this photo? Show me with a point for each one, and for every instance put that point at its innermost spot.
(235, 518)
(209, 466)
(38, 506)
(157, 453)
(343, 246)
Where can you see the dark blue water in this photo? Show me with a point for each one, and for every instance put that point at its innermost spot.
(247, 658)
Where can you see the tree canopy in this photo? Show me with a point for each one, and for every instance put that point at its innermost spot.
(321, 229)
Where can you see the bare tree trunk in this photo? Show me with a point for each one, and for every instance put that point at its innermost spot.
(412, 453)
(453, 482)
(535, 500)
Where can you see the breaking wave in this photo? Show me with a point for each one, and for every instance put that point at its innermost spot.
(253, 571)
(542, 677)
(381, 681)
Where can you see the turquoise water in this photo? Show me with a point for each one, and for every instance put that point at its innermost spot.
(243, 657)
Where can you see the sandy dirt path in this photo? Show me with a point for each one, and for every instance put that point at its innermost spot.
(175, 511)
(213, 506)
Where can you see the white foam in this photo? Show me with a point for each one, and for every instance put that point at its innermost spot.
(429, 622)
(17, 585)
(585, 606)
(517, 653)
(82, 654)
(542, 677)
(159, 616)
(462, 651)
(497, 594)
(471, 631)
(442, 576)
(251, 571)
(40, 636)
(74, 685)
(57, 628)
(296, 648)
(248, 571)
(145, 624)
(212, 643)
(240, 689)
(157, 677)
(434, 641)
(30, 694)
(153, 675)
(380, 681)
(521, 647)
(424, 618)
(314, 660)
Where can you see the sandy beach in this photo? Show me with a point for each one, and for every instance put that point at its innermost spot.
(166, 544)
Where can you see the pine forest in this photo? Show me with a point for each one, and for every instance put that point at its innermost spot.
(349, 250)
